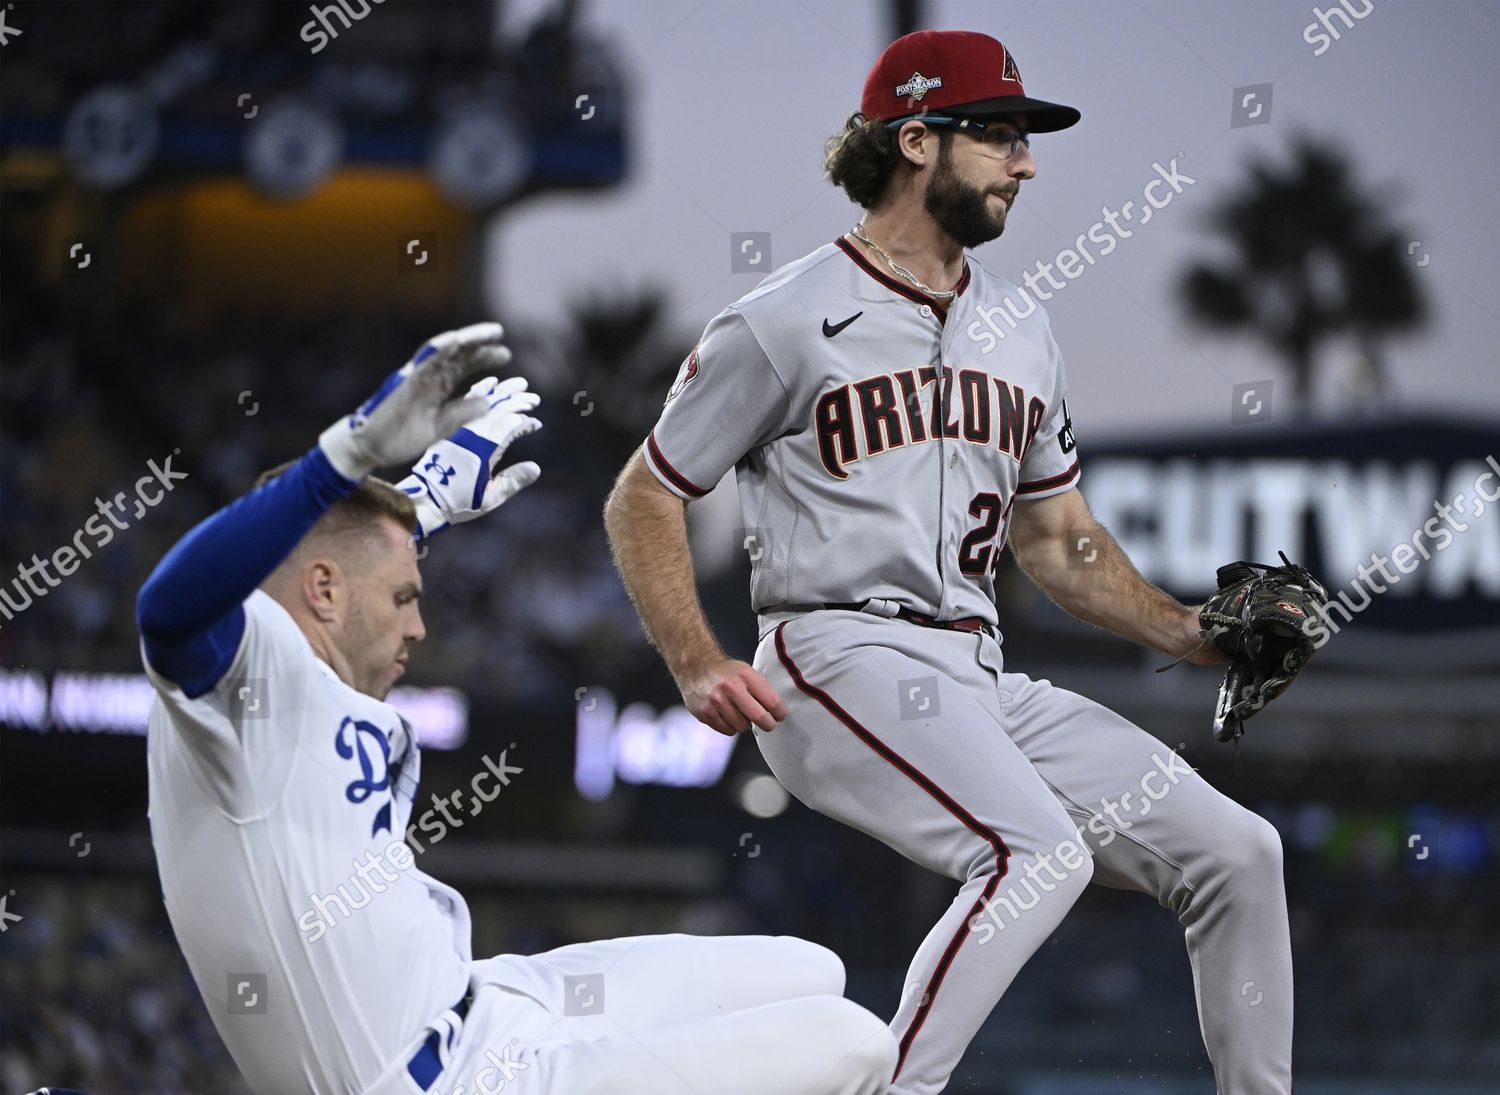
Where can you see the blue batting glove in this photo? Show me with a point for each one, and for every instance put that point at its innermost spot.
(460, 478)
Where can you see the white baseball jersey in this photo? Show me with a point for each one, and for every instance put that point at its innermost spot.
(878, 437)
(278, 803)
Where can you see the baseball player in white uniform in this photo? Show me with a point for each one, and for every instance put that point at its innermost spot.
(886, 446)
(283, 788)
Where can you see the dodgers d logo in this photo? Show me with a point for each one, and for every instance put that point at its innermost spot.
(353, 739)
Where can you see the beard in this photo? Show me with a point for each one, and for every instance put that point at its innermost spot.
(958, 207)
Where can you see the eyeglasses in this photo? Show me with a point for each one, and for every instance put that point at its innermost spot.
(1000, 137)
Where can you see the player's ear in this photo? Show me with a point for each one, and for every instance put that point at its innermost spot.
(917, 143)
(322, 588)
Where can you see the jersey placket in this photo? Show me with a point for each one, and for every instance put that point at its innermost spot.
(943, 393)
(933, 317)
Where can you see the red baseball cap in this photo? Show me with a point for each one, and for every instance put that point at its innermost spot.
(958, 72)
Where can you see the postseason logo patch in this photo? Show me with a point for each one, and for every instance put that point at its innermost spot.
(918, 86)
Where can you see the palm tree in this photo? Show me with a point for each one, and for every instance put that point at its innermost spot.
(1313, 257)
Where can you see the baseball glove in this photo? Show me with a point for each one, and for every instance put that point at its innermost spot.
(1256, 618)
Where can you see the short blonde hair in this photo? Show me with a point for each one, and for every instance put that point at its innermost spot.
(372, 498)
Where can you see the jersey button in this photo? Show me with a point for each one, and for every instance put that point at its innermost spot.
(926, 311)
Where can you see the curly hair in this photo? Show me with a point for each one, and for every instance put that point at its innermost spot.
(863, 157)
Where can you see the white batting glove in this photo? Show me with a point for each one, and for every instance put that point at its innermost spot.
(416, 404)
(460, 478)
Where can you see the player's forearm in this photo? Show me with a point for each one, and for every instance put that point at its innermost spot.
(1102, 587)
(647, 532)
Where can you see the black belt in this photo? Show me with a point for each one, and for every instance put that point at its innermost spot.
(426, 1064)
(968, 624)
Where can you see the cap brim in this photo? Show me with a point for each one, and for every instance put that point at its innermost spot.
(1043, 117)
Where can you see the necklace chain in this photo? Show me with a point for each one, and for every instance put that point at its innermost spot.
(858, 232)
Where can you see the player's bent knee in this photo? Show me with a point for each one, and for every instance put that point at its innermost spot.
(1061, 859)
(1251, 848)
(822, 969)
(1067, 854)
(1079, 867)
(861, 1045)
(1264, 845)
(1077, 872)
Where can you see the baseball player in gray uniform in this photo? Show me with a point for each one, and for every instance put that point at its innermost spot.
(886, 447)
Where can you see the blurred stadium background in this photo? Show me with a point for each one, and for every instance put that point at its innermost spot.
(221, 222)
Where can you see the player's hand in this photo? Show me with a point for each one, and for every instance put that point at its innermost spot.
(418, 403)
(1195, 645)
(460, 478)
(1207, 654)
(729, 696)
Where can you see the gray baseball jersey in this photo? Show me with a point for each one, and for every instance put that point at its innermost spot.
(878, 439)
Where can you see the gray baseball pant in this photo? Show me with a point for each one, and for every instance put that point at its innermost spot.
(1023, 792)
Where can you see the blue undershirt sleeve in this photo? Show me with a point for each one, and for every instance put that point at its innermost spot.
(191, 610)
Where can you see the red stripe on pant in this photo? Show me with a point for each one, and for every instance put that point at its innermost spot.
(906, 768)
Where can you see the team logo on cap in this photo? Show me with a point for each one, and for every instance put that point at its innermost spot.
(918, 86)
(1009, 71)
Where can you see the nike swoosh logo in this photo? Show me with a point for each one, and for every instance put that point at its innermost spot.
(831, 329)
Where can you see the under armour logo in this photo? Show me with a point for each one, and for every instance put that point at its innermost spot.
(435, 465)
